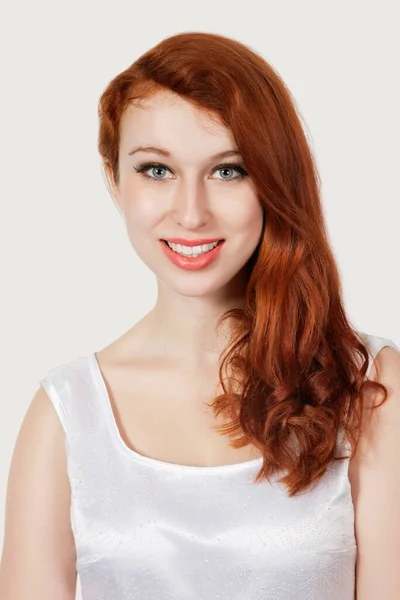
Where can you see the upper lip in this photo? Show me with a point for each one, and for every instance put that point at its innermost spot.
(193, 242)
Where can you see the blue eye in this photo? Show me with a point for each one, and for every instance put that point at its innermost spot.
(146, 166)
(232, 167)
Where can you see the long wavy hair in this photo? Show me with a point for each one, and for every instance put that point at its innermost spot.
(297, 369)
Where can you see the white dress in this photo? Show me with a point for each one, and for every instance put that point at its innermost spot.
(152, 530)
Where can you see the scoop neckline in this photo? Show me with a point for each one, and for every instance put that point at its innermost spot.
(154, 462)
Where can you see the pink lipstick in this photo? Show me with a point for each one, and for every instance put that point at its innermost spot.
(192, 263)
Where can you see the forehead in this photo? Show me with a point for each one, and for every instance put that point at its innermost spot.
(169, 121)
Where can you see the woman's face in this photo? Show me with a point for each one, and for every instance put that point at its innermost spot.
(185, 196)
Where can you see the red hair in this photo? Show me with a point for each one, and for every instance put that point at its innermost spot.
(300, 365)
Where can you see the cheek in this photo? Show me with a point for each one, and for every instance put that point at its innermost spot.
(143, 212)
(246, 215)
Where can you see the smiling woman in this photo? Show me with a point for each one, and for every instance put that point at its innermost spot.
(190, 195)
(248, 340)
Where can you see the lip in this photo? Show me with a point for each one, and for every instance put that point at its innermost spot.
(189, 263)
(192, 242)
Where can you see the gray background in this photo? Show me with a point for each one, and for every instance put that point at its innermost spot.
(71, 282)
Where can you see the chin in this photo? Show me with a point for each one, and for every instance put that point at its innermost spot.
(194, 284)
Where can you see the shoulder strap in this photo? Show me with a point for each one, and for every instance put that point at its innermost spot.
(74, 397)
(374, 344)
(48, 384)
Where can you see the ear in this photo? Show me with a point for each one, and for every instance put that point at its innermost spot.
(113, 187)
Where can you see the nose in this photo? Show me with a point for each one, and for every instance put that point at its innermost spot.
(191, 206)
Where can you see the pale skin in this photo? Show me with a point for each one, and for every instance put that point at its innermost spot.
(160, 372)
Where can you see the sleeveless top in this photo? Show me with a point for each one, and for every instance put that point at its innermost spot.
(149, 529)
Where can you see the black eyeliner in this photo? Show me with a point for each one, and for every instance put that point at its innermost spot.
(144, 166)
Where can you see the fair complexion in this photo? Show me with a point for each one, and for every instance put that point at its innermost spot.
(194, 201)
(185, 196)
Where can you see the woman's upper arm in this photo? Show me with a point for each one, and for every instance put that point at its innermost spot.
(38, 558)
(376, 488)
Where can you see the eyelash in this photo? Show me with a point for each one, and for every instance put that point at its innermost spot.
(144, 166)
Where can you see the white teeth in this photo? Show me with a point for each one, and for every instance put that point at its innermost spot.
(192, 251)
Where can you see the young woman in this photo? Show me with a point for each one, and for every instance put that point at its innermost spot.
(196, 457)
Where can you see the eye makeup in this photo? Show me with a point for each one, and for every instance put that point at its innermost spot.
(142, 167)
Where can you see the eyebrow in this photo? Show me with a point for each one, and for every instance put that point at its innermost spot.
(225, 153)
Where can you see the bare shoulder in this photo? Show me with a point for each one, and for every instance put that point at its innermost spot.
(375, 482)
(40, 408)
(385, 369)
(380, 423)
(40, 429)
(38, 558)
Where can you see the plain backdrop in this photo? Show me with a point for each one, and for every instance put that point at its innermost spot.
(70, 281)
